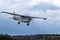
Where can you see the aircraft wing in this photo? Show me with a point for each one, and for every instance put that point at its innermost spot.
(34, 17)
(23, 15)
(38, 17)
(11, 13)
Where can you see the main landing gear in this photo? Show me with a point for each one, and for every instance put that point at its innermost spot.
(18, 22)
(28, 24)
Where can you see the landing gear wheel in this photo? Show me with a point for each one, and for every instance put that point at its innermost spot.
(27, 24)
(18, 22)
(44, 18)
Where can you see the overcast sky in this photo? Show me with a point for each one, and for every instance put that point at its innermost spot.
(38, 8)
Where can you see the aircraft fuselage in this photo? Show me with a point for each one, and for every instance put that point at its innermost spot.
(22, 19)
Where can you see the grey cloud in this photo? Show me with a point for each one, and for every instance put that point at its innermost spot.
(44, 6)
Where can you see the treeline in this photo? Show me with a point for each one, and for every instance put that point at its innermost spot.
(6, 37)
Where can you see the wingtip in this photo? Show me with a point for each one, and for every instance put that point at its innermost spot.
(3, 12)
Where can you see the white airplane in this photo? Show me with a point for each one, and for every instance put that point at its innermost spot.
(22, 18)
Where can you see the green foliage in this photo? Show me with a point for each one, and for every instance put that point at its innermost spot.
(6, 37)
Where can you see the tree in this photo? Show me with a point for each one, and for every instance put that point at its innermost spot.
(6, 37)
